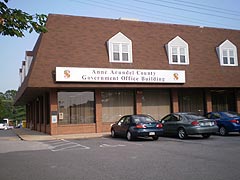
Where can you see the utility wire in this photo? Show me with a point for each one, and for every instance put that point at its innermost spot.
(140, 11)
(172, 7)
(237, 13)
(150, 11)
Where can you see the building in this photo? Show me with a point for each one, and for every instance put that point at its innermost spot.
(85, 73)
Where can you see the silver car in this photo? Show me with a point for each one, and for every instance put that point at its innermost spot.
(183, 124)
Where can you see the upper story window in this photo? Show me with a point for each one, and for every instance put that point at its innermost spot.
(177, 50)
(120, 49)
(227, 54)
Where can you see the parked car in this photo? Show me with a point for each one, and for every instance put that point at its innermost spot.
(226, 121)
(3, 126)
(133, 126)
(183, 124)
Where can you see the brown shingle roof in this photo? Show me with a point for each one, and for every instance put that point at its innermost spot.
(75, 41)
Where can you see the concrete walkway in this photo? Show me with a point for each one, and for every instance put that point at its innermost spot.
(31, 135)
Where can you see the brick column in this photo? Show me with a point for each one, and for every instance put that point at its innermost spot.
(98, 110)
(139, 102)
(53, 111)
(208, 100)
(174, 94)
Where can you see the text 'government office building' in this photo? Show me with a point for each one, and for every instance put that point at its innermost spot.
(85, 73)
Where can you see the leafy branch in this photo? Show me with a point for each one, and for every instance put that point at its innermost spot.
(13, 22)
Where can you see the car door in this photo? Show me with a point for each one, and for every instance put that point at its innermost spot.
(124, 125)
(216, 116)
(118, 126)
(170, 123)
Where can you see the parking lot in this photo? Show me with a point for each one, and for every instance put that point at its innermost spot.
(115, 158)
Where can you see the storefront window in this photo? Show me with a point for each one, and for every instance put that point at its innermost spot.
(191, 100)
(76, 107)
(156, 103)
(115, 104)
(223, 100)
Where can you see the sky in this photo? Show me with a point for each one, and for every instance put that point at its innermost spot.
(207, 13)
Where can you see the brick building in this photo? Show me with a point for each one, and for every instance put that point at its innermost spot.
(85, 73)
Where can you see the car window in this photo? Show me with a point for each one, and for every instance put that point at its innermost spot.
(194, 117)
(126, 120)
(143, 119)
(166, 118)
(209, 115)
(216, 115)
(120, 122)
(231, 114)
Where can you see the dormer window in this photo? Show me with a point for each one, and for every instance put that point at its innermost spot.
(177, 50)
(120, 49)
(227, 54)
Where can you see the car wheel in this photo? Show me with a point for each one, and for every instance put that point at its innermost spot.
(113, 135)
(223, 131)
(182, 133)
(205, 136)
(129, 136)
(155, 138)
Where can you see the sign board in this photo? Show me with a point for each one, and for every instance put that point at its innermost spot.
(75, 74)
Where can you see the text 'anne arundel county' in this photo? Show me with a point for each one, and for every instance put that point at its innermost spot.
(123, 75)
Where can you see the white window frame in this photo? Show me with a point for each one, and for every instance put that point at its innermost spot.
(177, 43)
(227, 46)
(121, 40)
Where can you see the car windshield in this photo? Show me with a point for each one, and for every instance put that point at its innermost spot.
(194, 117)
(231, 114)
(143, 119)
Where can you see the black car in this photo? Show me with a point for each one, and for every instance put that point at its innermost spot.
(187, 123)
(133, 126)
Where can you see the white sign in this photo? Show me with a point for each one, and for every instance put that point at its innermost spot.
(54, 118)
(74, 74)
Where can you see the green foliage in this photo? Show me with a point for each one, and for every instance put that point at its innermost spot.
(13, 22)
(7, 110)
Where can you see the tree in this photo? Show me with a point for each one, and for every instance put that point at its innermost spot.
(8, 110)
(13, 22)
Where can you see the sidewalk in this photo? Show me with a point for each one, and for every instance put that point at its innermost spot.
(31, 135)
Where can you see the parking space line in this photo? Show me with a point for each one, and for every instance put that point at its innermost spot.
(108, 145)
(60, 145)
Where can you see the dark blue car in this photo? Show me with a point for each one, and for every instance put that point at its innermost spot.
(226, 121)
(133, 126)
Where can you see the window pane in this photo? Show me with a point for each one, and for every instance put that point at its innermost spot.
(116, 56)
(225, 53)
(174, 50)
(231, 53)
(115, 47)
(115, 104)
(125, 56)
(231, 60)
(182, 59)
(174, 58)
(182, 51)
(125, 48)
(225, 60)
(76, 107)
